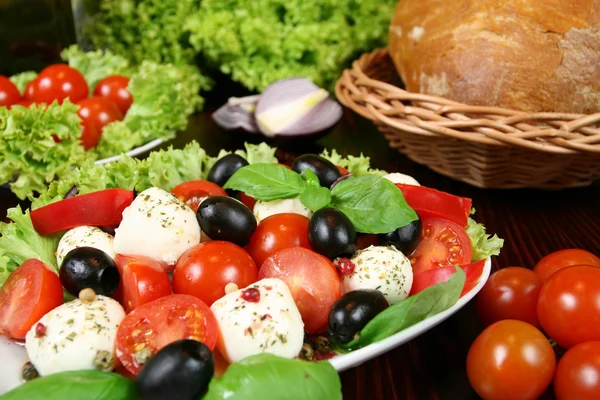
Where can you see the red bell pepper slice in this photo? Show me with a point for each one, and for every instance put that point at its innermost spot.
(103, 208)
(431, 277)
(429, 202)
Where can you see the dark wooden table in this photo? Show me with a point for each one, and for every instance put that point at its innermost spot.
(533, 224)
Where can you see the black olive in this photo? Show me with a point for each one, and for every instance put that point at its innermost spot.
(406, 238)
(225, 167)
(325, 170)
(331, 233)
(353, 311)
(181, 370)
(224, 218)
(88, 267)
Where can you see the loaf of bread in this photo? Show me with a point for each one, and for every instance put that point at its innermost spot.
(529, 55)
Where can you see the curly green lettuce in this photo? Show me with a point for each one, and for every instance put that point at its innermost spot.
(21, 80)
(357, 166)
(484, 245)
(96, 65)
(144, 29)
(39, 145)
(261, 41)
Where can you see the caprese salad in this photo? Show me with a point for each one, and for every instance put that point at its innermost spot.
(263, 264)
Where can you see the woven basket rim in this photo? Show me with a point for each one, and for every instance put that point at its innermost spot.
(426, 115)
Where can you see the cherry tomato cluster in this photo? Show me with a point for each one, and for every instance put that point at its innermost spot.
(110, 100)
(513, 358)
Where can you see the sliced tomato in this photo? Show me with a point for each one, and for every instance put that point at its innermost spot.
(193, 193)
(142, 281)
(31, 291)
(443, 243)
(154, 325)
(103, 208)
(429, 202)
(431, 277)
(313, 281)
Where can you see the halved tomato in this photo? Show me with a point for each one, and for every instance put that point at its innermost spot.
(31, 291)
(429, 202)
(431, 277)
(313, 281)
(102, 208)
(443, 243)
(154, 325)
(193, 193)
(142, 281)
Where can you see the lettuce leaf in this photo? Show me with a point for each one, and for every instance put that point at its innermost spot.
(484, 245)
(168, 168)
(357, 166)
(30, 156)
(19, 242)
(95, 65)
(116, 139)
(21, 80)
(257, 44)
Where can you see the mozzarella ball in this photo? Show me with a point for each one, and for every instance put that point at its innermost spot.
(267, 323)
(397, 177)
(264, 209)
(384, 268)
(157, 225)
(74, 336)
(85, 236)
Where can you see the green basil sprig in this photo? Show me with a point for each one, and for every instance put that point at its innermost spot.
(372, 203)
(268, 377)
(89, 385)
(410, 311)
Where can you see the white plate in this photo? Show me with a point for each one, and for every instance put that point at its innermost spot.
(134, 152)
(13, 355)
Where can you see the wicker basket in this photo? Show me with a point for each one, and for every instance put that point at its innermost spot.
(487, 147)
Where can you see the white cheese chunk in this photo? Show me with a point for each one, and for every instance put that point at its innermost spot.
(264, 209)
(157, 225)
(397, 177)
(384, 268)
(74, 335)
(270, 325)
(85, 236)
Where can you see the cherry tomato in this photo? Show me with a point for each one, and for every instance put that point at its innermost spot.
(96, 113)
(342, 170)
(364, 240)
(205, 269)
(26, 103)
(510, 360)
(28, 93)
(163, 321)
(115, 88)
(9, 94)
(102, 208)
(562, 259)
(431, 277)
(510, 293)
(31, 291)
(569, 305)
(142, 281)
(277, 232)
(58, 82)
(313, 281)
(193, 193)
(578, 373)
(429, 202)
(443, 243)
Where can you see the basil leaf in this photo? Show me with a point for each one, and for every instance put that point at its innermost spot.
(411, 310)
(315, 197)
(269, 377)
(89, 385)
(373, 204)
(266, 182)
(310, 177)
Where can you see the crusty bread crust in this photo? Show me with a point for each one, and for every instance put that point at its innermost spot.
(529, 55)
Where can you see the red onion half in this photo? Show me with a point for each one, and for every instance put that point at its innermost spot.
(300, 107)
(237, 113)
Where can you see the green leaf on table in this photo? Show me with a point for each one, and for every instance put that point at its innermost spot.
(411, 311)
(19, 242)
(267, 182)
(315, 197)
(73, 385)
(270, 377)
(373, 204)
